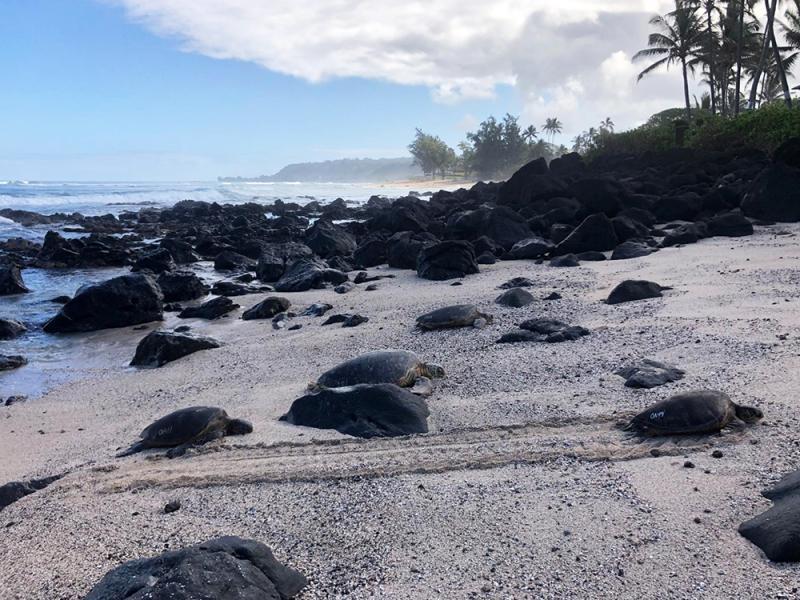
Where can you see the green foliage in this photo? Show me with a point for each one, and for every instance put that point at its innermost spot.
(763, 129)
(431, 154)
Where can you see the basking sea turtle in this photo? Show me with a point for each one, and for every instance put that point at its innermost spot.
(188, 427)
(692, 412)
(450, 317)
(402, 368)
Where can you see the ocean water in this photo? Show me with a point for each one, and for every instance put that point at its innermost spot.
(55, 359)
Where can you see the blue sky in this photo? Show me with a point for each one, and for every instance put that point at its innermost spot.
(126, 90)
(88, 95)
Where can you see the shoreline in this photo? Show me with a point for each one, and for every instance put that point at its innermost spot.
(398, 532)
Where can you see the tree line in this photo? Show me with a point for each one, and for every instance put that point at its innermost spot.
(732, 46)
(496, 149)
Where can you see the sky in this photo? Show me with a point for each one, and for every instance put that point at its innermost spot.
(168, 90)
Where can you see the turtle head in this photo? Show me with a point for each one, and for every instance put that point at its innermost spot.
(434, 371)
(239, 427)
(749, 414)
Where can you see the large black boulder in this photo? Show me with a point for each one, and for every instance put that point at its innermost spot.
(327, 239)
(276, 256)
(788, 153)
(228, 260)
(501, 224)
(730, 224)
(364, 410)
(447, 260)
(308, 273)
(160, 347)
(118, 302)
(213, 309)
(599, 195)
(178, 286)
(227, 567)
(777, 530)
(682, 207)
(530, 248)
(403, 248)
(631, 249)
(9, 362)
(596, 232)
(11, 281)
(10, 328)
(16, 490)
(157, 261)
(371, 253)
(267, 308)
(774, 195)
(531, 182)
(687, 233)
(405, 214)
(180, 250)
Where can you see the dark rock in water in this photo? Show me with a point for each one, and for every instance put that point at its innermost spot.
(228, 567)
(347, 320)
(731, 224)
(9, 329)
(327, 240)
(591, 256)
(568, 260)
(232, 288)
(118, 302)
(379, 410)
(451, 317)
(157, 261)
(446, 260)
(11, 281)
(213, 309)
(160, 347)
(181, 251)
(60, 299)
(228, 260)
(308, 273)
(649, 374)
(529, 248)
(404, 248)
(517, 282)
(173, 307)
(267, 308)
(316, 310)
(16, 490)
(631, 249)
(487, 258)
(774, 195)
(688, 233)
(515, 298)
(596, 232)
(788, 153)
(9, 362)
(372, 253)
(343, 288)
(553, 296)
(15, 400)
(178, 286)
(630, 290)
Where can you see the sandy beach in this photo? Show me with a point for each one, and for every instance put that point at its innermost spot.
(524, 487)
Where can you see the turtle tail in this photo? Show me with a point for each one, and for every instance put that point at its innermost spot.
(137, 447)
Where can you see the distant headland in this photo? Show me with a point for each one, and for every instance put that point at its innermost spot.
(343, 170)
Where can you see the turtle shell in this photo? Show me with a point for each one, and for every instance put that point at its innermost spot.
(691, 412)
(460, 315)
(383, 366)
(183, 426)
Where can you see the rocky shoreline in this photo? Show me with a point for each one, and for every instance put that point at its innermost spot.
(536, 492)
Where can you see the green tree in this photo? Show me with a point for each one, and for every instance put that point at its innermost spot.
(431, 154)
(678, 40)
(552, 127)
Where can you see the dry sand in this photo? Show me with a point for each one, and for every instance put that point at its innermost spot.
(525, 488)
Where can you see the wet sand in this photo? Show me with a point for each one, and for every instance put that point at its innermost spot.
(524, 488)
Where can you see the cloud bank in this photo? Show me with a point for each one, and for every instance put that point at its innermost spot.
(569, 59)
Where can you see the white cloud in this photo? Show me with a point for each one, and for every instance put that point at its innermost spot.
(562, 56)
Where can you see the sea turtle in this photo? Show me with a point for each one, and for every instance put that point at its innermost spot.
(692, 412)
(450, 317)
(188, 427)
(399, 367)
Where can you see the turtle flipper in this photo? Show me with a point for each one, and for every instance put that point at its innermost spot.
(137, 447)
(422, 387)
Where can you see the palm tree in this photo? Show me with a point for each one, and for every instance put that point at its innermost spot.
(553, 127)
(791, 28)
(710, 44)
(530, 134)
(608, 125)
(770, 41)
(678, 39)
